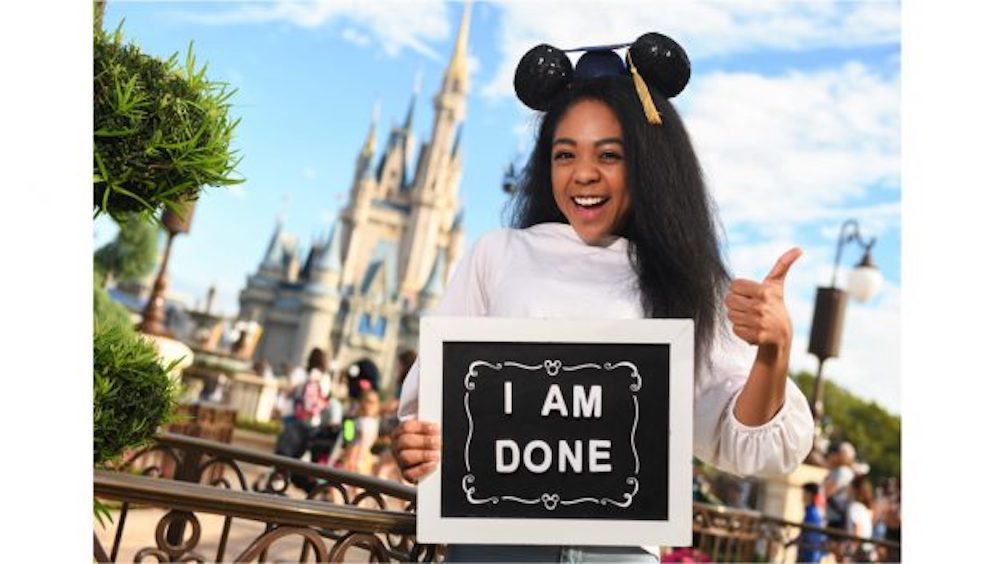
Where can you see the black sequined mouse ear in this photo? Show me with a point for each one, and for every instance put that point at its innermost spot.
(542, 74)
(662, 62)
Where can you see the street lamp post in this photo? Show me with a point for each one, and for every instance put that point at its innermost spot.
(153, 314)
(863, 282)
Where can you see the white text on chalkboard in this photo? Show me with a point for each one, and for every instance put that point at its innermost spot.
(509, 456)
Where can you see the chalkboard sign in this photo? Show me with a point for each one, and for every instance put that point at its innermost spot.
(557, 431)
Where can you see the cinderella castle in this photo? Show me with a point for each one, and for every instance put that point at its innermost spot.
(360, 292)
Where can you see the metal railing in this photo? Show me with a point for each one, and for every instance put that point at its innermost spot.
(347, 516)
(344, 516)
(725, 534)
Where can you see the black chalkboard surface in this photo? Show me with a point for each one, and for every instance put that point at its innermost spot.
(581, 440)
(556, 430)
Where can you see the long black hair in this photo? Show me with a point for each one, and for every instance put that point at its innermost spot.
(670, 226)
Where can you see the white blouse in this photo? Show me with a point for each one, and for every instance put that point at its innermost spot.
(547, 271)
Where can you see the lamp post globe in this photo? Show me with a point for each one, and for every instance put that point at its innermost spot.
(865, 280)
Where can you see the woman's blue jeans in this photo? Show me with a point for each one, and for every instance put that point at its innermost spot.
(517, 553)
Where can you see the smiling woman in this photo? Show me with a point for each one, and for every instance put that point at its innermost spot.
(612, 220)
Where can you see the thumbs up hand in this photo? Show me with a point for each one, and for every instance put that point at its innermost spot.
(757, 309)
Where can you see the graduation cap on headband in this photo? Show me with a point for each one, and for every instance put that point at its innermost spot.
(654, 59)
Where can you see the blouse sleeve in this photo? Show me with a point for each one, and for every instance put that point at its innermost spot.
(466, 295)
(775, 447)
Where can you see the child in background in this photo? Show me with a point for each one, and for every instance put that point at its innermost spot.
(357, 455)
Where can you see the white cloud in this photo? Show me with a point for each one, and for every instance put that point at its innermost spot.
(355, 37)
(236, 190)
(704, 29)
(309, 173)
(793, 149)
(394, 25)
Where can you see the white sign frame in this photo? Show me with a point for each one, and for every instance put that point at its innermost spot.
(432, 528)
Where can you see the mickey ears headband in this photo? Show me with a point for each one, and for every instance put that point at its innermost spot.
(545, 71)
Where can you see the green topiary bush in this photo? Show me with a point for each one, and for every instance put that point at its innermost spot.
(133, 392)
(161, 132)
(108, 312)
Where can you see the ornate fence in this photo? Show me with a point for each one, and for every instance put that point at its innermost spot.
(725, 534)
(345, 516)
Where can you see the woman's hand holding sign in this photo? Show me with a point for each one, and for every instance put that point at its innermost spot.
(759, 317)
(417, 448)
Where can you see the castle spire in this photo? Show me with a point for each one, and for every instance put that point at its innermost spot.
(408, 123)
(272, 256)
(369, 148)
(330, 257)
(458, 68)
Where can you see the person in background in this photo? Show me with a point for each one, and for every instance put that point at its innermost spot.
(284, 403)
(357, 455)
(362, 375)
(859, 520)
(327, 433)
(893, 518)
(810, 543)
(263, 369)
(879, 508)
(836, 486)
(308, 398)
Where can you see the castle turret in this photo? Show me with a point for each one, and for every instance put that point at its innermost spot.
(363, 165)
(275, 261)
(434, 194)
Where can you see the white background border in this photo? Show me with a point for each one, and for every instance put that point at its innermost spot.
(675, 531)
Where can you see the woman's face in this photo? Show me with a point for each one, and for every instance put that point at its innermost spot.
(588, 170)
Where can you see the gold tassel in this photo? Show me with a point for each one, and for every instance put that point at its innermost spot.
(652, 114)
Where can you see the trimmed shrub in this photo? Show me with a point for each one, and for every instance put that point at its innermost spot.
(133, 392)
(109, 313)
(161, 132)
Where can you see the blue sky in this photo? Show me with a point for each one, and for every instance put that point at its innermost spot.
(793, 108)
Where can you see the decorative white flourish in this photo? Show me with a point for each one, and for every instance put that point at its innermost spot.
(469, 490)
(579, 366)
(468, 439)
(628, 496)
(635, 423)
(551, 500)
(521, 499)
(579, 500)
(552, 367)
(519, 365)
(635, 386)
(469, 384)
